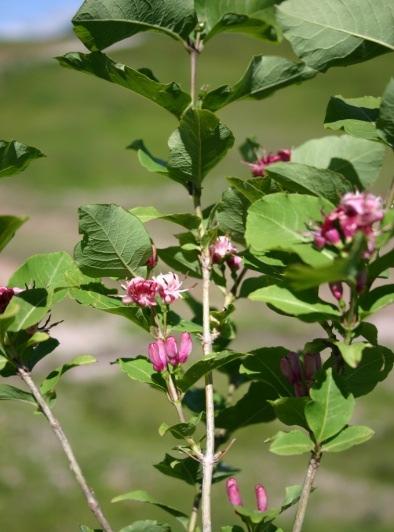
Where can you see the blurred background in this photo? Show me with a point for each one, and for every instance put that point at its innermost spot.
(83, 125)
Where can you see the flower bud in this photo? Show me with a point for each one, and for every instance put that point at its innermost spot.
(261, 498)
(172, 351)
(6, 294)
(233, 493)
(336, 290)
(153, 260)
(300, 389)
(291, 368)
(234, 262)
(157, 355)
(185, 347)
(312, 364)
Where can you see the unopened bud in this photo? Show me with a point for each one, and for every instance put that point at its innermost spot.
(171, 350)
(157, 355)
(261, 498)
(6, 294)
(234, 262)
(336, 290)
(300, 389)
(153, 260)
(233, 493)
(312, 364)
(185, 347)
(291, 368)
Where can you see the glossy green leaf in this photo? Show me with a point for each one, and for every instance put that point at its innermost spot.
(252, 189)
(353, 353)
(100, 23)
(264, 76)
(147, 526)
(296, 177)
(147, 159)
(355, 116)
(15, 157)
(263, 365)
(231, 214)
(385, 123)
(329, 411)
(143, 496)
(33, 306)
(169, 96)
(8, 392)
(290, 410)
(147, 214)
(181, 260)
(180, 431)
(185, 469)
(347, 438)
(325, 33)
(8, 227)
(291, 443)
(140, 369)
(115, 242)
(253, 17)
(281, 221)
(32, 354)
(199, 143)
(359, 160)
(49, 384)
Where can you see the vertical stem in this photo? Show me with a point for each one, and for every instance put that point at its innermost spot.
(194, 51)
(72, 461)
(306, 490)
(194, 514)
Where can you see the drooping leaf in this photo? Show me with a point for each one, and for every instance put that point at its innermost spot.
(140, 369)
(185, 219)
(8, 392)
(147, 159)
(115, 242)
(264, 76)
(8, 226)
(48, 385)
(169, 96)
(15, 157)
(329, 410)
(359, 160)
(291, 443)
(100, 23)
(385, 123)
(355, 116)
(326, 33)
(347, 438)
(352, 354)
(281, 221)
(185, 469)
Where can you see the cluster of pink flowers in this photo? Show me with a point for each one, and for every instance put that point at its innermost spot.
(300, 375)
(259, 166)
(145, 292)
(234, 494)
(164, 352)
(6, 294)
(356, 212)
(223, 250)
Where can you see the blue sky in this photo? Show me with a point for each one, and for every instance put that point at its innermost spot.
(35, 18)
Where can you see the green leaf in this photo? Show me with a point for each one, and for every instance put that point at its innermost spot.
(264, 365)
(325, 33)
(48, 270)
(305, 305)
(281, 221)
(347, 438)
(290, 410)
(296, 177)
(180, 431)
(264, 76)
(15, 157)
(205, 365)
(376, 299)
(355, 116)
(291, 443)
(147, 526)
(329, 411)
(143, 496)
(8, 227)
(33, 305)
(231, 214)
(199, 143)
(252, 189)
(32, 354)
(185, 469)
(385, 123)
(292, 496)
(8, 392)
(254, 17)
(100, 23)
(169, 96)
(147, 159)
(147, 214)
(140, 369)
(353, 353)
(359, 160)
(49, 384)
(181, 260)
(114, 244)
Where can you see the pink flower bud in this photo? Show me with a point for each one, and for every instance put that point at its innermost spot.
(185, 347)
(291, 368)
(172, 351)
(170, 287)
(336, 290)
(300, 389)
(259, 166)
(234, 262)
(233, 493)
(157, 355)
(312, 364)
(261, 498)
(153, 260)
(6, 294)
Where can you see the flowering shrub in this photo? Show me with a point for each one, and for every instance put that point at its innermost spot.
(303, 222)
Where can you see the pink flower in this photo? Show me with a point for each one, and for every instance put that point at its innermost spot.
(259, 166)
(261, 498)
(233, 493)
(234, 262)
(141, 291)
(157, 355)
(221, 249)
(6, 294)
(367, 208)
(169, 287)
(175, 355)
(336, 290)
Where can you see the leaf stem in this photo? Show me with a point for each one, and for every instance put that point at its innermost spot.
(72, 461)
(313, 466)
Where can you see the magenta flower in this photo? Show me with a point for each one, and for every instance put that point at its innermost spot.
(175, 355)
(261, 498)
(141, 291)
(233, 493)
(259, 166)
(157, 355)
(169, 287)
(6, 294)
(336, 290)
(221, 249)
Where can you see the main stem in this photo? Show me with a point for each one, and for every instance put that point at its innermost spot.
(306, 491)
(72, 461)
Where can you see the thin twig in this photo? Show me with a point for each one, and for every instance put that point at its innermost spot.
(194, 514)
(72, 461)
(306, 491)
